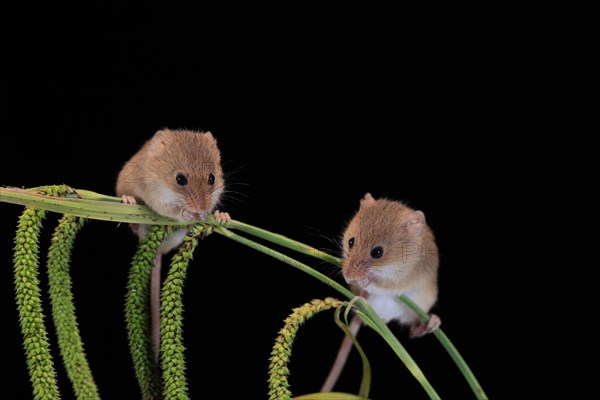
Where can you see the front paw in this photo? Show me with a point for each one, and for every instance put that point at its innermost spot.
(222, 217)
(128, 199)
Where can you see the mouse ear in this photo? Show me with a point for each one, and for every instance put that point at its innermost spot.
(416, 222)
(209, 134)
(158, 140)
(367, 199)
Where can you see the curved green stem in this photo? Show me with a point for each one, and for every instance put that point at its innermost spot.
(365, 384)
(452, 351)
(286, 259)
(283, 241)
(63, 308)
(29, 305)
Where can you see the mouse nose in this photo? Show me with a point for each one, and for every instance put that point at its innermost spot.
(194, 215)
(356, 273)
(361, 282)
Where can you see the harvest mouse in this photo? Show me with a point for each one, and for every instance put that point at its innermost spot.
(388, 251)
(178, 174)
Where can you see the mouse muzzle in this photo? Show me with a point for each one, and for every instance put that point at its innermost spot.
(197, 207)
(356, 273)
(194, 215)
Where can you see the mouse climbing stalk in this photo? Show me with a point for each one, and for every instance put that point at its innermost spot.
(388, 251)
(178, 174)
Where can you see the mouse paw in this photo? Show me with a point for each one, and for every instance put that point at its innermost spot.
(418, 328)
(222, 217)
(128, 199)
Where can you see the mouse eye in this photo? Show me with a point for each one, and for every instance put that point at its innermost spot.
(211, 179)
(377, 252)
(181, 179)
(351, 242)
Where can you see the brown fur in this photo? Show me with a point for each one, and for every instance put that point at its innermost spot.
(406, 239)
(157, 164)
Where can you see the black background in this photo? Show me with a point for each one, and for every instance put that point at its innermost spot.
(312, 107)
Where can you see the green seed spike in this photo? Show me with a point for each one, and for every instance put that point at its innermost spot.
(282, 350)
(171, 319)
(63, 309)
(29, 306)
(137, 314)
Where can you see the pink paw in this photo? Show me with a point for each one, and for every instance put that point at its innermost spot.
(419, 329)
(128, 199)
(131, 200)
(222, 217)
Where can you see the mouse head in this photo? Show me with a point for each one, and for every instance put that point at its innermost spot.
(382, 244)
(185, 170)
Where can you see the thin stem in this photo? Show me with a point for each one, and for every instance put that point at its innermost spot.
(371, 318)
(283, 241)
(350, 329)
(286, 259)
(452, 351)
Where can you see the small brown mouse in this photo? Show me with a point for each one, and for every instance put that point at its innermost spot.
(388, 251)
(178, 174)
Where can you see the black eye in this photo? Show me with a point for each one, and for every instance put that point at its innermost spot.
(211, 179)
(181, 179)
(351, 242)
(377, 252)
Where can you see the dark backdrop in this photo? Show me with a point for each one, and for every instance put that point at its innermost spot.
(312, 107)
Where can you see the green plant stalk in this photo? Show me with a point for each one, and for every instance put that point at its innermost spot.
(286, 259)
(282, 350)
(372, 319)
(63, 308)
(452, 351)
(171, 318)
(365, 384)
(137, 314)
(29, 306)
(369, 316)
(283, 241)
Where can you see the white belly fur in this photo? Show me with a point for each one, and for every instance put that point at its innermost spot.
(390, 307)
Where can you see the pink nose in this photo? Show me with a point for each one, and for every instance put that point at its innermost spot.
(362, 283)
(197, 215)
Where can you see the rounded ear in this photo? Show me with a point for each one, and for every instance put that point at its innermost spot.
(416, 222)
(159, 134)
(367, 199)
(209, 134)
(159, 140)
